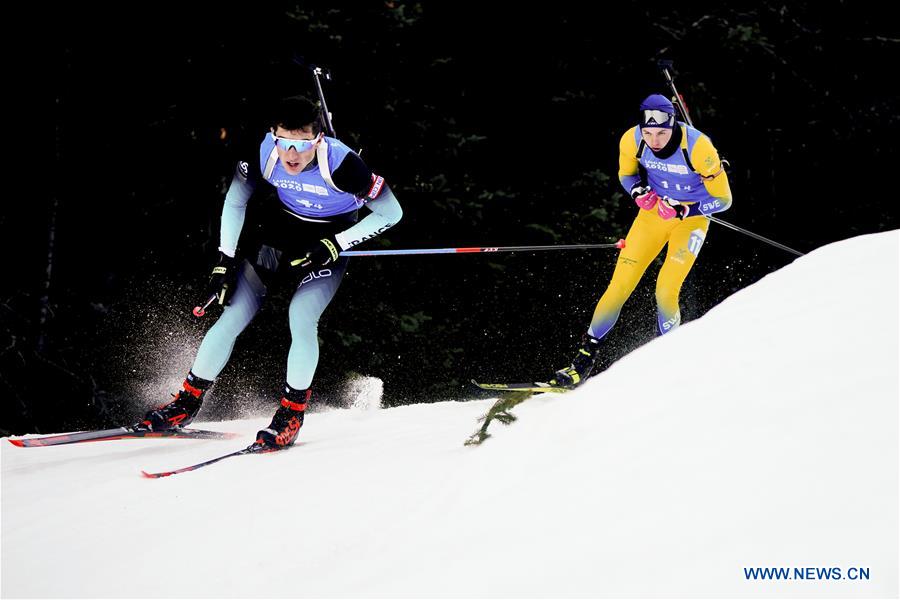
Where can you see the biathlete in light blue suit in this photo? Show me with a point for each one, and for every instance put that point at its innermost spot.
(299, 233)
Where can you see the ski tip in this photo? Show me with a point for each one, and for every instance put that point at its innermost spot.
(19, 443)
(147, 475)
(490, 386)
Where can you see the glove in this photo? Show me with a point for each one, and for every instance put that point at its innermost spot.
(644, 196)
(669, 207)
(223, 280)
(323, 253)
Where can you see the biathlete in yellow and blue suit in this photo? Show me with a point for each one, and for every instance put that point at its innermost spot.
(674, 174)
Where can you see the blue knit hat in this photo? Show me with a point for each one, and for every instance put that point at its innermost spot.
(657, 111)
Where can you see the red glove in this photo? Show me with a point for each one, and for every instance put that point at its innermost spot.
(669, 207)
(644, 197)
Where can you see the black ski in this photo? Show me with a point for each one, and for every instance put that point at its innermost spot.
(254, 448)
(120, 433)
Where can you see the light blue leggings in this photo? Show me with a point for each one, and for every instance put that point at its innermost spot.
(308, 303)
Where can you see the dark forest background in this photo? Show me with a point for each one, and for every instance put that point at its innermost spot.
(495, 124)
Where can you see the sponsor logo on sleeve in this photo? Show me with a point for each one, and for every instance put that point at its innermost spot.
(377, 184)
(708, 207)
(369, 236)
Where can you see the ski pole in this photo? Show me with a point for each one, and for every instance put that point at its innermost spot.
(478, 250)
(667, 68)
(754, 235)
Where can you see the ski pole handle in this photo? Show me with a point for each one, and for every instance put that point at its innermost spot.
(199, 311)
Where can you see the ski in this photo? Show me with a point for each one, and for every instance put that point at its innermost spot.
(253, 448)
(120, 433)
(537, 387)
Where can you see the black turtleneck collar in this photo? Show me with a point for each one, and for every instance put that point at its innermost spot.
(673, 145)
